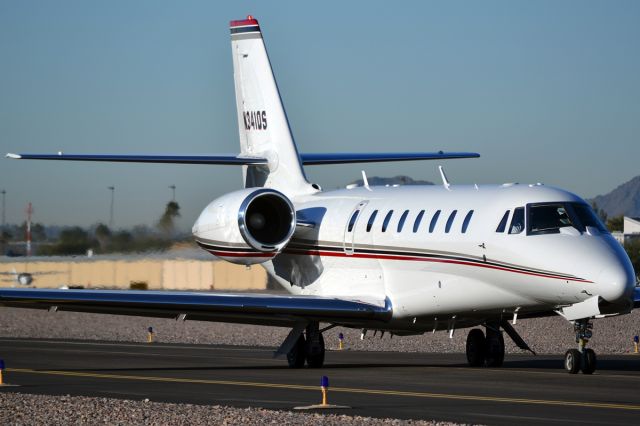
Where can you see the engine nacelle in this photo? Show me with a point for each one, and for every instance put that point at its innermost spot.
(247, 226)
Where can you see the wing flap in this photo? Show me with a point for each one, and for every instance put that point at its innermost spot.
(264, 309)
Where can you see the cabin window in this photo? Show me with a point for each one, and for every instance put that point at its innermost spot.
(467, 219)
(517, 222)
(386, 220)
(416, 224)
(372, 218)
(452, 216)
(434, 220)
(403, 218)
(352, 221)
(503, 223)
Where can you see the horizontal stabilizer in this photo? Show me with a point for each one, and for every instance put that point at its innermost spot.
(167, 159)
(242, 160)
(345, 158)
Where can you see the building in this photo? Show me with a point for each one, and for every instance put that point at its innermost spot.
(630, 230)
(190, 269)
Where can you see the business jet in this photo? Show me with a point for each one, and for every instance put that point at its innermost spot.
(401, 260)
(23, 278)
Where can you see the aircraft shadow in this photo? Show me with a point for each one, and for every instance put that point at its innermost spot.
(536, 364)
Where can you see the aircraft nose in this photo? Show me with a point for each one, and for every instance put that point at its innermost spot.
(616, 284)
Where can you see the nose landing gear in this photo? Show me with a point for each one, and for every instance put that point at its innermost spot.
(582, 358)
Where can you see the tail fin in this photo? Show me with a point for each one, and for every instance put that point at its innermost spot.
(262, 120)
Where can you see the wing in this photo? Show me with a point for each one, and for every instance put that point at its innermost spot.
(262, 309)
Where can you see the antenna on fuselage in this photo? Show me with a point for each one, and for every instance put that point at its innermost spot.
(365, 181)
(445, 181)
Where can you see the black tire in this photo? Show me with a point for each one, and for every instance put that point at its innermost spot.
(315, 353)
(572, 361)
(297, 355)
(589, 361)
(476, 347)
(494, 352)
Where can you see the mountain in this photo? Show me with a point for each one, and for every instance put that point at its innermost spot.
(624, 200)
(396, 180)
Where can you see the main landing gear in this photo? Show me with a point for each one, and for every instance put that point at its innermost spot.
(485, 351)
(309, 349)
(582, 358)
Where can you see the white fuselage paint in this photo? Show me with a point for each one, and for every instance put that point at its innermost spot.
(435, 278)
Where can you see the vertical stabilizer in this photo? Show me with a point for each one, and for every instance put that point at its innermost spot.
(262, 120)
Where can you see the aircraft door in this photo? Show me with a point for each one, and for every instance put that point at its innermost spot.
(350, 228)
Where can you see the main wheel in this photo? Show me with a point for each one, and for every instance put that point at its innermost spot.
(315, 352)
(476, 347)
(588, 361)
(297, 355)
(494, 355)
(572, 361)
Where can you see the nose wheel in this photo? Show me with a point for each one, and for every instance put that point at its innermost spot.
(582, 358)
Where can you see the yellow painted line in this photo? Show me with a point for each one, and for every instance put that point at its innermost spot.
(334, 389)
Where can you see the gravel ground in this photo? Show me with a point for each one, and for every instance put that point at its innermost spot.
(544, 335)
(65, 410)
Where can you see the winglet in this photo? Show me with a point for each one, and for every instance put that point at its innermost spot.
(14, 156)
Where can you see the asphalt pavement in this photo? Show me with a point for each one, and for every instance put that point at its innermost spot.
(526, 390)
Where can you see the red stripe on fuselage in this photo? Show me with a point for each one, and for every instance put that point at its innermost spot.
(422, 259)
(240, 254)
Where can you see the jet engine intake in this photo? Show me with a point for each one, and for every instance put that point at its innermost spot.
(267, 220)
(248, 226)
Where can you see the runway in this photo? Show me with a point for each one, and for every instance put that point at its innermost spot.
(526, 390)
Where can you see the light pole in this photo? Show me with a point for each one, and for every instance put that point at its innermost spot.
(4, 211)
(173, 189)
(112, 189)
(4, 220)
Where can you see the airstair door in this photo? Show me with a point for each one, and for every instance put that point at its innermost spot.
(352, 225)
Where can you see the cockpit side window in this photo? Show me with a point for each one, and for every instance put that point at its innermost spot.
(517, 222)
(549, 218)
(503, 223)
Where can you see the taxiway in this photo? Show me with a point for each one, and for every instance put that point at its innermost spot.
(526, 390)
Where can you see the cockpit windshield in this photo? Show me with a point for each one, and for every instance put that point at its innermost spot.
(588, 217)
(549, 218)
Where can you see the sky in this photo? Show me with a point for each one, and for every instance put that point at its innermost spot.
(545, 91)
